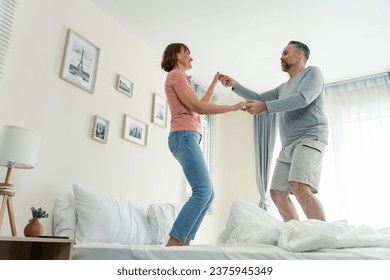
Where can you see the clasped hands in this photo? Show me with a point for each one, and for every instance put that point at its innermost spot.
(253, 107)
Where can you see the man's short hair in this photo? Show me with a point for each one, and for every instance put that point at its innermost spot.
(301, 46)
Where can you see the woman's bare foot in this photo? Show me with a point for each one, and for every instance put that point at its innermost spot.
(173, 242)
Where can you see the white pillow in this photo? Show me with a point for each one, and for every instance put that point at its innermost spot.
(161, 218)
(103, 218)
(64, 218)
(248, 223)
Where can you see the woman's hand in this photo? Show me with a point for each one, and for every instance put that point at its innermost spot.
(216, 78)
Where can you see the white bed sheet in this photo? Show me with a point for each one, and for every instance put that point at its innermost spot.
(105, 251)
(251, 233)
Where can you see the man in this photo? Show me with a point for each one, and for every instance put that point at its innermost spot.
(303, 129)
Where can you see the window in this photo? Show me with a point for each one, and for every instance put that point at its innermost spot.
(354, 185)
(208, 130)
(7, 13)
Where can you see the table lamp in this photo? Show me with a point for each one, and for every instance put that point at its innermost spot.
(18, 149)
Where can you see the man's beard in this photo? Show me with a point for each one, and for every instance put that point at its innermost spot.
(285, 66)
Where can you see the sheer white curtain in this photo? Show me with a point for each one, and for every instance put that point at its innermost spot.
(355, 184)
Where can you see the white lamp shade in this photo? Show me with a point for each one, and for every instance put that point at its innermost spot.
(18, 146)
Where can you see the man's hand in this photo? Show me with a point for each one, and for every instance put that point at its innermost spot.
(227, 81)
(254, 107)
(240, 106)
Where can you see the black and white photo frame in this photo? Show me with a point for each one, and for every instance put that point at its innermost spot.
(100, 129)
(160, 110)
(80, 61)
(134, 130)
(124, 85)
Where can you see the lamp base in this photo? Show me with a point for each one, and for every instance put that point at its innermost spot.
(6, 188)
(7, 191)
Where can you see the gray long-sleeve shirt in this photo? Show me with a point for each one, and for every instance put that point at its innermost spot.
(300, 103)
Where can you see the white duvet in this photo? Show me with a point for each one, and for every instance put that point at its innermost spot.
(248, 223)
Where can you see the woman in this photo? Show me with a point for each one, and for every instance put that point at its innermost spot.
(185, 136)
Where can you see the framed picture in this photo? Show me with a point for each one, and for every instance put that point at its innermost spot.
(124, 85)
(80, 62)
(159, 111)
(100, 129)
(134, 130)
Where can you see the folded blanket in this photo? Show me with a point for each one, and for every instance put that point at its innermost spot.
(299, 236)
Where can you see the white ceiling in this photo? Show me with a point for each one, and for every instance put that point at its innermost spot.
(347, 38)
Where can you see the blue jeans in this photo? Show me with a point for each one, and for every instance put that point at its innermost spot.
(184, 146)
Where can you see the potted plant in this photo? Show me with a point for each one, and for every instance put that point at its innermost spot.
(34, 227)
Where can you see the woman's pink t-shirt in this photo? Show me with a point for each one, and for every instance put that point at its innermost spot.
(181, 117)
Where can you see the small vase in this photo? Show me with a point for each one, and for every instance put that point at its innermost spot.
(34, 228)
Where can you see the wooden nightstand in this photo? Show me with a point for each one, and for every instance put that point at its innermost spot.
(35, 248)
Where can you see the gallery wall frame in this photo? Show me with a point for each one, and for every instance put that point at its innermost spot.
(80, 61)
(134, 130)
(124, 85)
(159, 112)
(100, 129)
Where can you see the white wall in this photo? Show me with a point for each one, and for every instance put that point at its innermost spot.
(33, 96)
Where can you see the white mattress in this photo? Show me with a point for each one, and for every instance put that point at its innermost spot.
(251, 233)
(105, 251)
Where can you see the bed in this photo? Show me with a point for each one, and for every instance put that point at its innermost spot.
(104, 251)
(133, 232)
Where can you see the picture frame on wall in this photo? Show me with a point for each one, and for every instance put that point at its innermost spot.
(159, 110)
(80, 61)
(100, 129)
(134, 130)
(124, 85)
